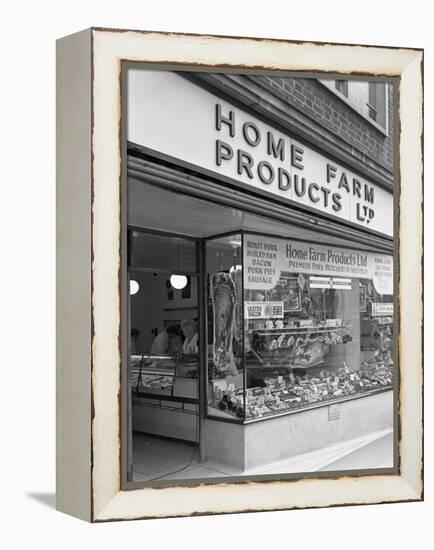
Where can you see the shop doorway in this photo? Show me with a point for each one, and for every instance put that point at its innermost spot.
(163, 353)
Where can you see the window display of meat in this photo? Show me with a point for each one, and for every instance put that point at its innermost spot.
(280, 339)
(223, 295)
(236, 274)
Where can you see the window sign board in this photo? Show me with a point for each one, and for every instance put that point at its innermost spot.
(336, 283)
(379, 309)
(265, 258)
(263, 310)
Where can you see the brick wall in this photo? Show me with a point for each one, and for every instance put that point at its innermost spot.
(326, 109)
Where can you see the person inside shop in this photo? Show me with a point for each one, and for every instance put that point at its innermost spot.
(167, 341)
(135, 333)
(191, 340)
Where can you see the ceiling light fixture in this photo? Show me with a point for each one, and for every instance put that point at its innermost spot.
(178, 281)
(134, 287)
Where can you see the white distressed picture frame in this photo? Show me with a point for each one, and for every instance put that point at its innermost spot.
(89, 206)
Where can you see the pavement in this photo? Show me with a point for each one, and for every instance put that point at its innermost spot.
(378, 454)
(159, 459)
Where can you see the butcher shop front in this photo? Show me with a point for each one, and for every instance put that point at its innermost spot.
(261, 303)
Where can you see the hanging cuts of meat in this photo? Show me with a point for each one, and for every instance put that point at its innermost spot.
(237, 276)
(223, 297)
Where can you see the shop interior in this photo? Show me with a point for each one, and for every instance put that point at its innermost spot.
(322, 345)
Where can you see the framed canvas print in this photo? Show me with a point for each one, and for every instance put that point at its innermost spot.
(239, 302)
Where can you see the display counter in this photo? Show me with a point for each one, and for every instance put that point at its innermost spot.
(165, 395)
(283, 391)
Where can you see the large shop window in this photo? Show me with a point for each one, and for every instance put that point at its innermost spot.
(294, 325)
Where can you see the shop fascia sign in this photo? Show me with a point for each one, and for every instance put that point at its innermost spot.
(169, 114)
(267, 258)
(285, 168)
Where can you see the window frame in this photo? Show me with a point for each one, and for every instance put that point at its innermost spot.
(330, 85)
(342, 87)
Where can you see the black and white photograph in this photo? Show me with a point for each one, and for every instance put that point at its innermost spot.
(259, 221)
